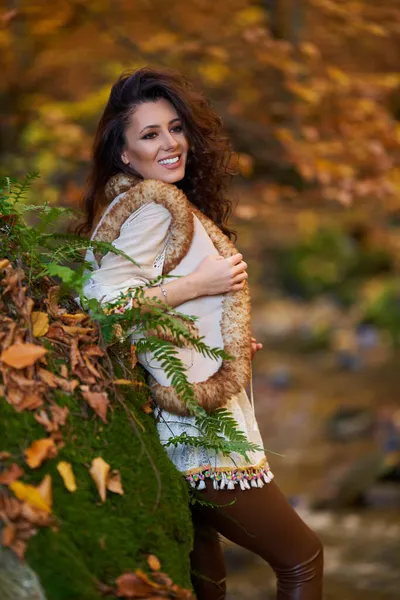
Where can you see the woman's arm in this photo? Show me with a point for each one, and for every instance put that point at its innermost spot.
(214, 275)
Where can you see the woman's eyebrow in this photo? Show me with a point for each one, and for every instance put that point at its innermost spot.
(157, 126)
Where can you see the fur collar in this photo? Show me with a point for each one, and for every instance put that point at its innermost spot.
(233, 375)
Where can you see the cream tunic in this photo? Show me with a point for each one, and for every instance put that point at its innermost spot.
(143, 236)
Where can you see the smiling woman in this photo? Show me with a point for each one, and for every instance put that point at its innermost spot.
(156, 145)
(159, 166)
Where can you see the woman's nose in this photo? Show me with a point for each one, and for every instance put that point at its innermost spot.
(169, 142)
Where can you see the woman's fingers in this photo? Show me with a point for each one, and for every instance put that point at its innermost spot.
(239, 268)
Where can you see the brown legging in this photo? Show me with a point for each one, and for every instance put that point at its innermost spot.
(262, 521)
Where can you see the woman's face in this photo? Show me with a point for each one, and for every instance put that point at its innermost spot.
(155, 145)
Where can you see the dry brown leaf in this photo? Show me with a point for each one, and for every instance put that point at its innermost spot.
(11, 474)
(60, 414)
(28, 493)
(53, 296)
(30, 401)
(133, 585)
(147, 407)
(44, 489)
(19, 547)
(20, 356)
(4, 455)
(75, 355)
(40, 323)
(94, 351)
(43, 418)
(65, 470)
(91, 367)
(114, 483)
(133, 356)
(99, 402)
(10, 507)
(8, 535)
(54, 381)
(127, 382)
(153, 562)
(74, 330)
(35, 515)
(99, 472)
(39, 451)
(64, 371)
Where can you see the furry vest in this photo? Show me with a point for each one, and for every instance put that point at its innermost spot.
(191, 234)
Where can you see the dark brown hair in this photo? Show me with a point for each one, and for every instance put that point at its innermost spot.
(207, 168)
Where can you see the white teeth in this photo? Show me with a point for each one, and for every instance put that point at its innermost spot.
(169, 161)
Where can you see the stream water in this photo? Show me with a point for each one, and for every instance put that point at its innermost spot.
(297, 395)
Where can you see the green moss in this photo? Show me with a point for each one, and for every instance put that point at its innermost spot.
(98, 541)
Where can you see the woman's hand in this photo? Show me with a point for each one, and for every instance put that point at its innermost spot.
(218, 275)
(255, 347)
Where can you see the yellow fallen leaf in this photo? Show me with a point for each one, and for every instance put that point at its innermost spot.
(44, 489)
(40, 323)
(114, 483)
(76, 318)
(153, 562)
(65, 470)
(4, 262)
(99, 473)
(28, 493)
(39, 451)
(20, 356)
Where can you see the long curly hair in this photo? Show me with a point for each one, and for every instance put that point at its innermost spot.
(208, 163)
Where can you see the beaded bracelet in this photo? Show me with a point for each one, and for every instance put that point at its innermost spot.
(164, 293)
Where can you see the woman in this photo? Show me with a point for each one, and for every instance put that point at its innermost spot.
(159, 167)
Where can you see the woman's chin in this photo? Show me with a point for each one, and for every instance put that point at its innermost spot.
(172, 176)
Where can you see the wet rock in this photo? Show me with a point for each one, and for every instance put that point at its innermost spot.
(349, 423)
(279, 378)
(17, 580)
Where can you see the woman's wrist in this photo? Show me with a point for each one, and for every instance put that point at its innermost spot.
(195, 289)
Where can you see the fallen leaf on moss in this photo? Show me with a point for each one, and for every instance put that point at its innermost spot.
(28, 493)
(53, 296)
(134, 585)
(44, 489)
(124, 382)
(67, 474)
(74, 330)
(20, 356)
(36, 516)
(4, 455)
(76, 318)
(40, 323)
(11, 474)
(147, 407)
(114, 483)
(153, 562)
(99, 402)
(39, 451)
(91, 368)
(4, 263)
(54, 381)
(133, 356)
(43, 418)
(99, 473)
(30, 402)
(8, 534)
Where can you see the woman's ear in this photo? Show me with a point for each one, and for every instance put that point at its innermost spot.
(125, 158)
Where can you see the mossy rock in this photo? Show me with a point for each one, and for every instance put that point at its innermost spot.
(95, 541)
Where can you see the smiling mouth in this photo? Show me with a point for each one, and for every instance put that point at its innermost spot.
(170, 161)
